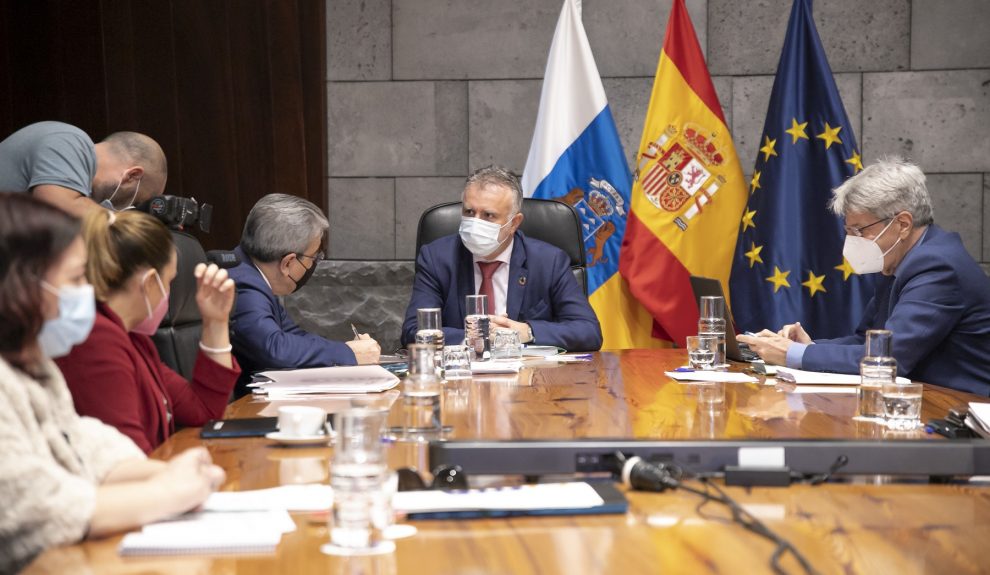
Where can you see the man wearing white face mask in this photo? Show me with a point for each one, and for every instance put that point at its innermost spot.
(60, 164)
(529, 283)
(933, 296)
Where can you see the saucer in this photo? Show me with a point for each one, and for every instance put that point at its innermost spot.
(279, 437)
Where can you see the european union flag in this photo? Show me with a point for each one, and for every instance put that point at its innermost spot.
(788, 265)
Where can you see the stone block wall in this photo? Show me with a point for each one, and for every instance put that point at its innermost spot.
(420, 92)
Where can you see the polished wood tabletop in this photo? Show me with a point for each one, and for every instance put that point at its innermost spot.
(866, 525)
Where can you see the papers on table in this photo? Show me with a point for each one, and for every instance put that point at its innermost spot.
(211, 532)
(499, 366)
(313, 497)
(802, 377)
(577, 495)
(541, 350)
(230, 522)
(322, 380)
(711, 376)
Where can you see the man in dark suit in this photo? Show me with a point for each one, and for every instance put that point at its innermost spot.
(279, 251)
(529, 282)
(933, 297)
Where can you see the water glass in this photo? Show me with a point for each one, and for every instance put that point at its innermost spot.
(421, 391)
(702, 351)
(429, 330)
(876, 369)
(476, 326)
(358, 473)
(902, 405)
(456, 362)
(711, 321)
(507, 345)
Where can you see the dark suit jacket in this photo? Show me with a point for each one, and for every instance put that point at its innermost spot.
(938, 307)
(265, 337)
(542, 292)
(117, 377)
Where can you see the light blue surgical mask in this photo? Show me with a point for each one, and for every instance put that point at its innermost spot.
(76, 314)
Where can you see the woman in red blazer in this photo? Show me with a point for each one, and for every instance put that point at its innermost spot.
(116, 375)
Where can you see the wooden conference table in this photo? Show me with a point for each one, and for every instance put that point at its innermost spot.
(869, 526)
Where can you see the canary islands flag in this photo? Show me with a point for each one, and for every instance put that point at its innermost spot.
(576, 157)
(788, 265)
(688, 189)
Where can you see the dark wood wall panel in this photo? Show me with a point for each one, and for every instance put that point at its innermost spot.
(233, 90)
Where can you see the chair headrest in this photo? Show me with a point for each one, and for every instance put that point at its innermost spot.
(182, 306)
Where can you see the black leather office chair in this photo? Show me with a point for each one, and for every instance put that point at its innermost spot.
(177, 338)
(548, 220)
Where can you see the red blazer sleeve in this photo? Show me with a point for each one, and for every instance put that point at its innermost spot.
(103, 379)
(205, 397)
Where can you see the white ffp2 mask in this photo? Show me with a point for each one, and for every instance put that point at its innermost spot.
(864, 255)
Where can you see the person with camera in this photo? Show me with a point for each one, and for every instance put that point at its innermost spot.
(60, 164)
(64, 477)
(117, 375)
(278, 253)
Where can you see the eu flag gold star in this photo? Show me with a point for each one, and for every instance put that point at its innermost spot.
(846, 269)
(767, 148)
(747, 221)
(830, 135)
(814, 283)
(754, 254)
(779, 279)
(754, 184)
(797, 130)
(856, 162)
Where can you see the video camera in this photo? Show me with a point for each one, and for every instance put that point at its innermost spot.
(178, 213)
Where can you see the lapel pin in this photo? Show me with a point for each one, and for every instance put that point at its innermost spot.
(522, 280)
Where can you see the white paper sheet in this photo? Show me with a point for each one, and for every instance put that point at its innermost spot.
(576, 495)
(286, 498)
(349, 379)
(496, 366)
(802, 377)
(715, 376)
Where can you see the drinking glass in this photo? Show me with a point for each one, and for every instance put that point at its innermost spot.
(711, 321)
(429, 331)
(358, 473)
(876, 369)
(421, 391)
(702, 351)
(456, 362)
(476, 326)
(902, 405)
(507, 345)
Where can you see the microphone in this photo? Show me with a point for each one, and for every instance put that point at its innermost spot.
(223, 258)
(642, 475)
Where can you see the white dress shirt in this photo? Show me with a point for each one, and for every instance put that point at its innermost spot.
(500, 279)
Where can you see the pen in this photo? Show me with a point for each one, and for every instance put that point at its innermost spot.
(684, 369)
(356, 334)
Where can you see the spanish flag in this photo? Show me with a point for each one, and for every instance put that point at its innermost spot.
(688, 190)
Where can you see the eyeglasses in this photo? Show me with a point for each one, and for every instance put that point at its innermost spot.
(858, 232)
(318, 256)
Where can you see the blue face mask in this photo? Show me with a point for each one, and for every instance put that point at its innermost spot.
(76, 314)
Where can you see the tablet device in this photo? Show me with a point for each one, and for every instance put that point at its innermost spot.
(242, 427)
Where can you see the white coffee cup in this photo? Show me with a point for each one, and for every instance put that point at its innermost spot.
(301, 420)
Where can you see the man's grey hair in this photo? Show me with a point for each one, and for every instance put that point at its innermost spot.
(280, 224)
(885, 189)
(494, 175)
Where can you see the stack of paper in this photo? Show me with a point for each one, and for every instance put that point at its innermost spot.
(541, 350)
(323, 380)
(711, 376)
(498, 366)
(801, 377)
(211, 532)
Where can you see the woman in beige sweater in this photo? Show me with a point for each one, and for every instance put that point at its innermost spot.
(63, 477)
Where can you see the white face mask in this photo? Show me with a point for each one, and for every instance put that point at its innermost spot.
(76, 314)
(864, 255)
(108, 203)
(481, 237)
